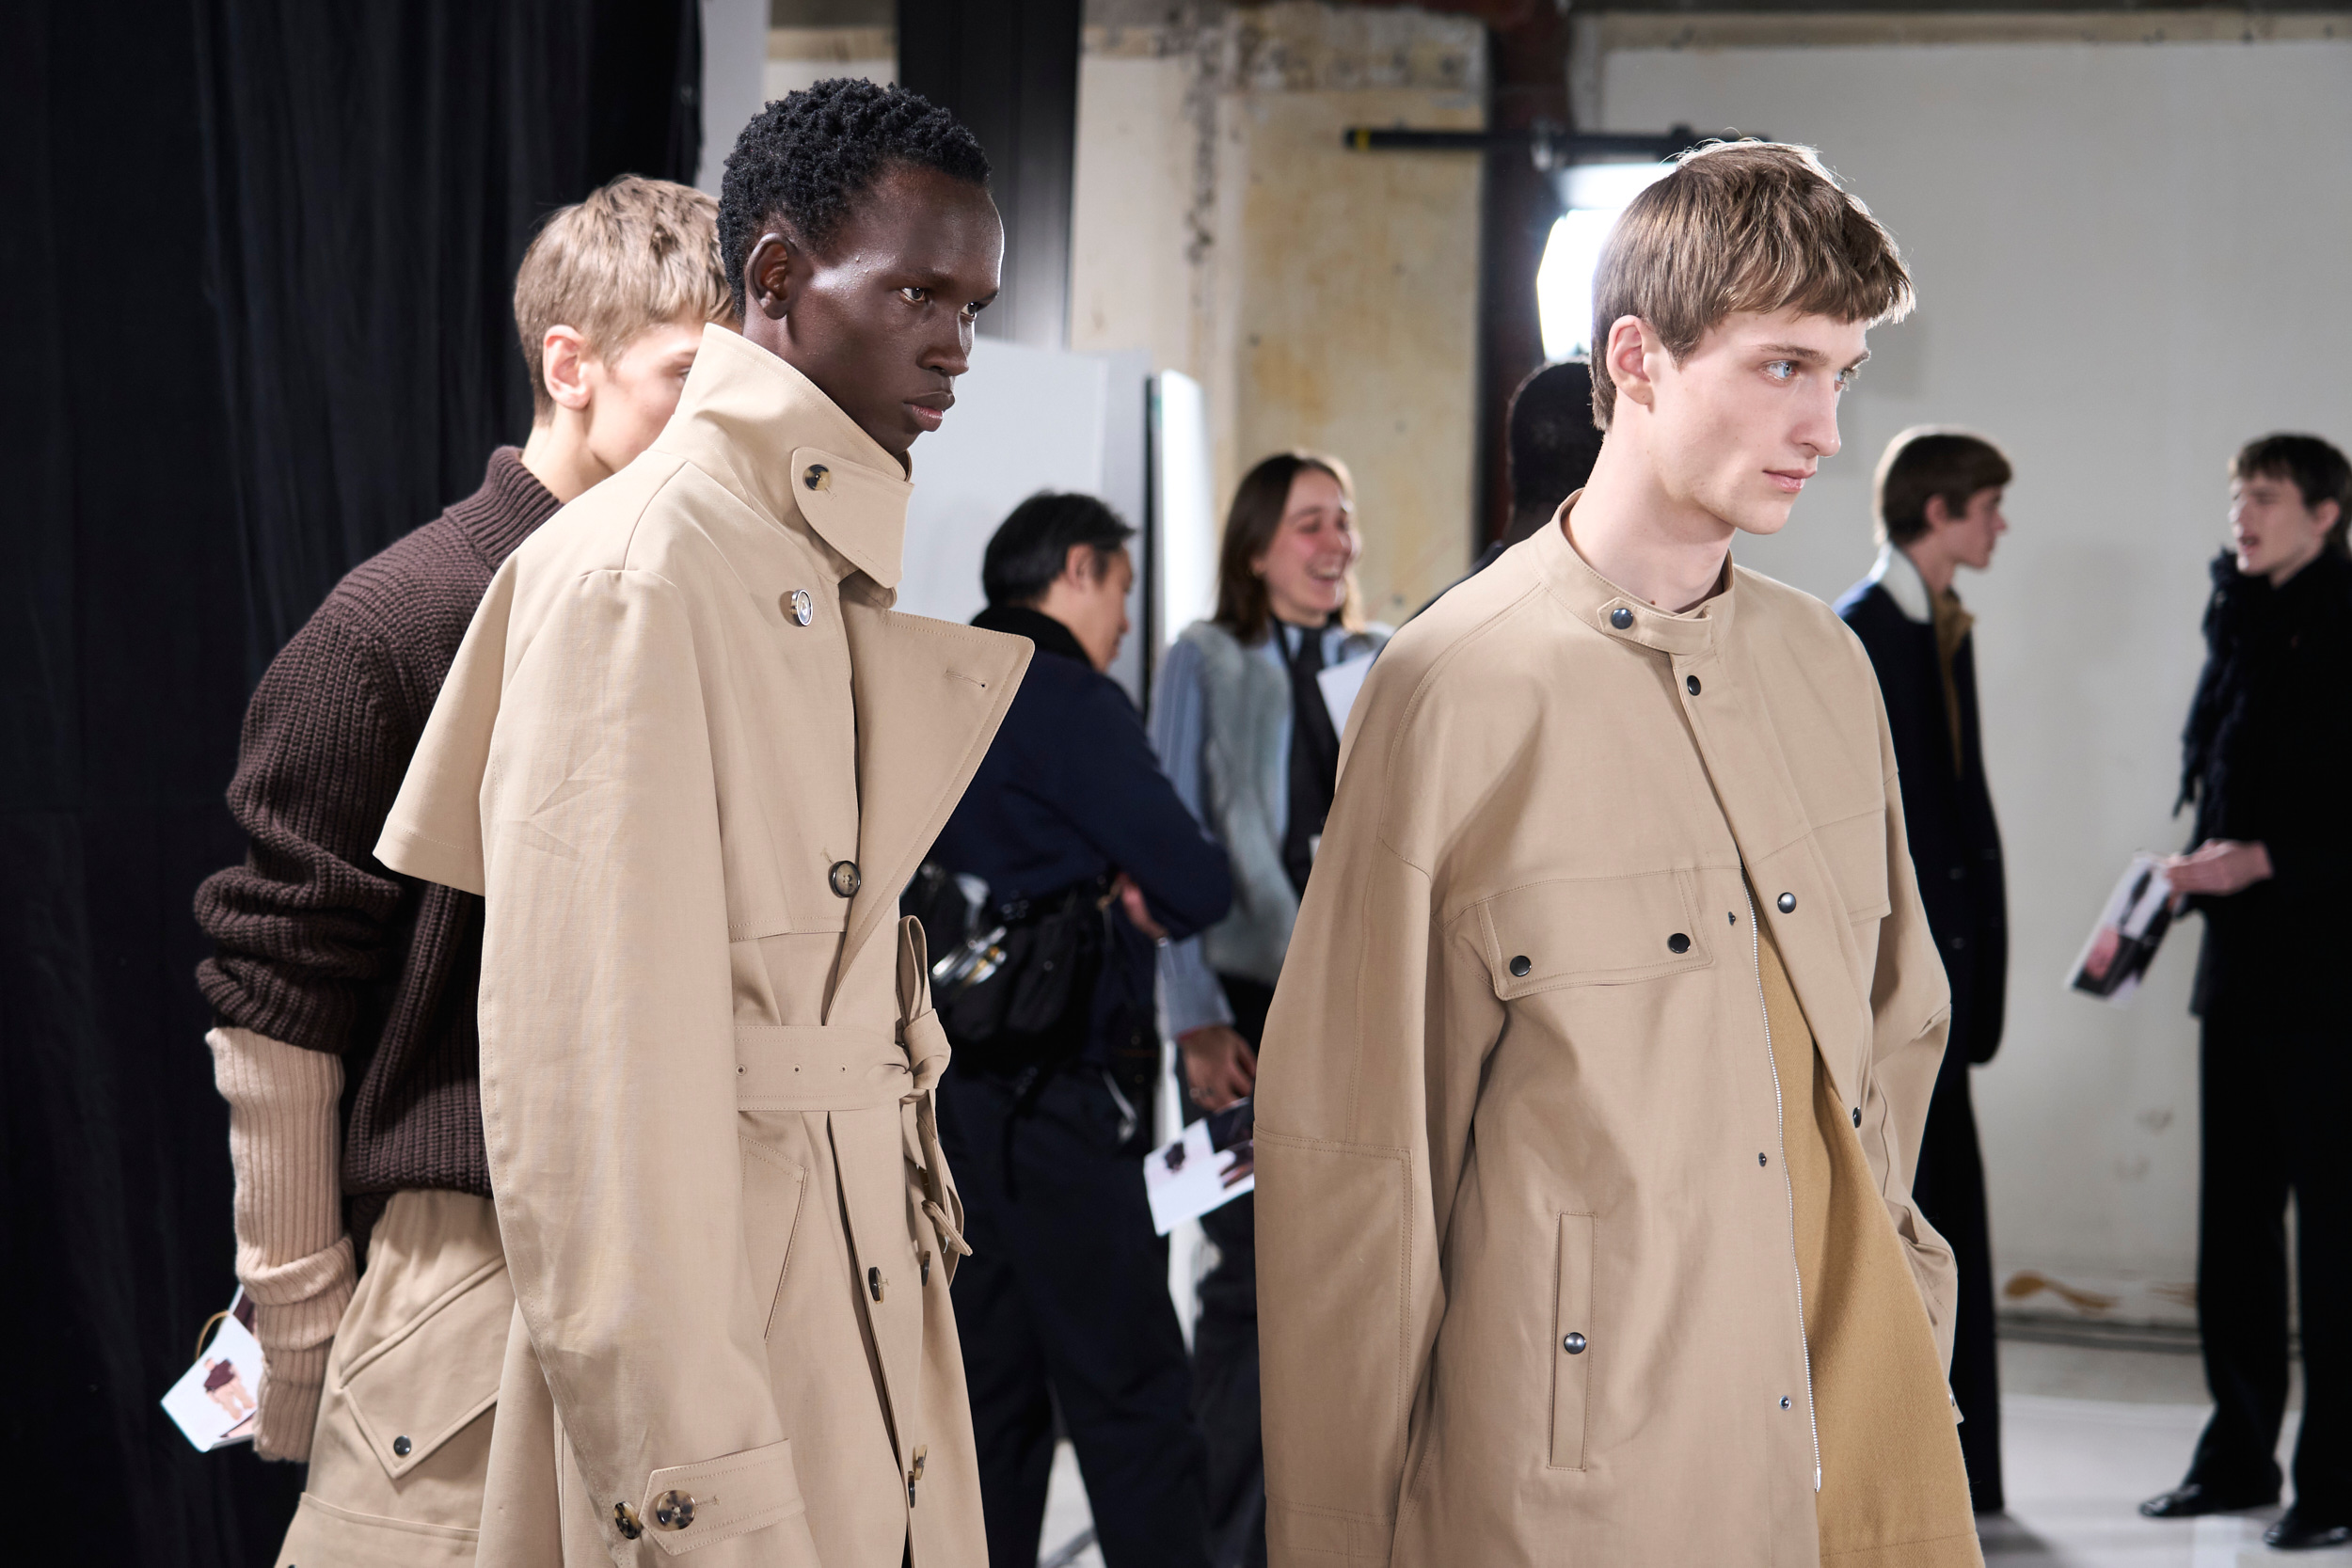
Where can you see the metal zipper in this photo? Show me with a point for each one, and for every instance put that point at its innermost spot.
(1780, 1116)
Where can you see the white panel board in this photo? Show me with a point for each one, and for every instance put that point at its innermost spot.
(1184, 505)
(1025, 419)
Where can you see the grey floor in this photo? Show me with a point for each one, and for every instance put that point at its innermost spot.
(2092, 1423)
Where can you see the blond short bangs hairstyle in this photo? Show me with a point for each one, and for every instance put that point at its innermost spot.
(1742, 225)
(634, 254)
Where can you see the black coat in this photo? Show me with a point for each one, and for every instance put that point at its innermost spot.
(2265, 758)
(1070, 791)
(1948, 813)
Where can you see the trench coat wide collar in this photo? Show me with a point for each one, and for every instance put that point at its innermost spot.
(928, 694)
(764, 431)
(1595, 600)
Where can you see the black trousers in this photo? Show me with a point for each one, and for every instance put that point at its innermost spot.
(1064, 1302)
(1225, 1349)
(1950, 1190)
(2276, 1098)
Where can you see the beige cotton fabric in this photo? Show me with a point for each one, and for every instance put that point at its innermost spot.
(1894, 1486)
(706, 1053)
(285, 1126)
(1516, 1080)
(404, 1430)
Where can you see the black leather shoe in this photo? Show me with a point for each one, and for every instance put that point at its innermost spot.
(2193, 1497)
(2295, 1533)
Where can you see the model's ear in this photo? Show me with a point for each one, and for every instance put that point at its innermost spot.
(1938, 512)
(2327, 512)
(564, 367)
(1627, 355)
(768, 275)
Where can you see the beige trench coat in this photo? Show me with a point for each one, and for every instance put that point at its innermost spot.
(1516, 1080)
(690, 755)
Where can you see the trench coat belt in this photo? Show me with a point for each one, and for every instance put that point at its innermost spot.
(832, 1067)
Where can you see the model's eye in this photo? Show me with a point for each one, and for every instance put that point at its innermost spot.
(1781, 370)
(1845, 377)
(972, 313)
(914, 295)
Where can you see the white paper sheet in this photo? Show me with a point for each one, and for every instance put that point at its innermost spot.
(216, 1417)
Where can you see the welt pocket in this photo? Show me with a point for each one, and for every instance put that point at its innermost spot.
(772, 1189)
(1572, 1336)
(427, 1381)
(1593, 931)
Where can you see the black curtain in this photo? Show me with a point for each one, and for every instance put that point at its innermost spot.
(258, 258)
(1010, 71)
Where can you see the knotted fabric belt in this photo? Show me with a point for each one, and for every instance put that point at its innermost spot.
(824, 1067)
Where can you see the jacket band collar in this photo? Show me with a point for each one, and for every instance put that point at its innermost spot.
(1903, 584)
(1596, 601)
(764, 431)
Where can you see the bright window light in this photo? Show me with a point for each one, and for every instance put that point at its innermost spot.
(1595, 194)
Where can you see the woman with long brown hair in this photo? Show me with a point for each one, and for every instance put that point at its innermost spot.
(1243, 727)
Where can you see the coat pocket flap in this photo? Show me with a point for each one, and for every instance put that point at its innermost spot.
(687, 1506)
(423, 1385)
(1593, 931)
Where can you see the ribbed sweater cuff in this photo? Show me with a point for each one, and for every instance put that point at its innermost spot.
(293, 1257)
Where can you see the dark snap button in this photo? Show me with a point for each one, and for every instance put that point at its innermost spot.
(1858, 1115)
(1691, 684)
(1573, 1344)
(1784, 1401)
(1677, 943)
(1621, 617)
(401, 1446)
(1788, 903)
(1520, 966)
(817, 477)
(844, 879)
(1759, 1158)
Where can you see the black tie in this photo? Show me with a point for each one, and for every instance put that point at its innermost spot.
(1314, 755)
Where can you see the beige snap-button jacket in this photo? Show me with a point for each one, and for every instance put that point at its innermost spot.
(689, 755)
(1527, 1287)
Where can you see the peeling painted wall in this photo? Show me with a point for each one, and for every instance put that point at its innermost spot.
(1326, 298)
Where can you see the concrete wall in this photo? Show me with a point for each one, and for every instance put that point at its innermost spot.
(1325, 298)
(2130, 258)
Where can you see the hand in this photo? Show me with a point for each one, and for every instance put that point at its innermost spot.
(1219, 1066)
(1138, 913)
(2219, 866)
(2102, 954)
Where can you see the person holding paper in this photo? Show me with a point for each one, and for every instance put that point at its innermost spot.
(1069, 849)
(326, 955)
(1247, 724)
(2266, 753)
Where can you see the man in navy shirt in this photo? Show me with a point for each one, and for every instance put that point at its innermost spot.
(1065, 1298)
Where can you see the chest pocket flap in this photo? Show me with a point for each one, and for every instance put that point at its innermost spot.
(1593, 931)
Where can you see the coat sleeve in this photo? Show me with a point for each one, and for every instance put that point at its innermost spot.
(1361, 1125)
(1189, 992)
(1911, 1015)
(608, 1058)
(1130, 814)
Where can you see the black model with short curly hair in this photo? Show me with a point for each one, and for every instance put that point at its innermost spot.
(805, 158)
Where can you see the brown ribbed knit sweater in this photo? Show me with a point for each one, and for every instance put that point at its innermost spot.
(321, 946)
